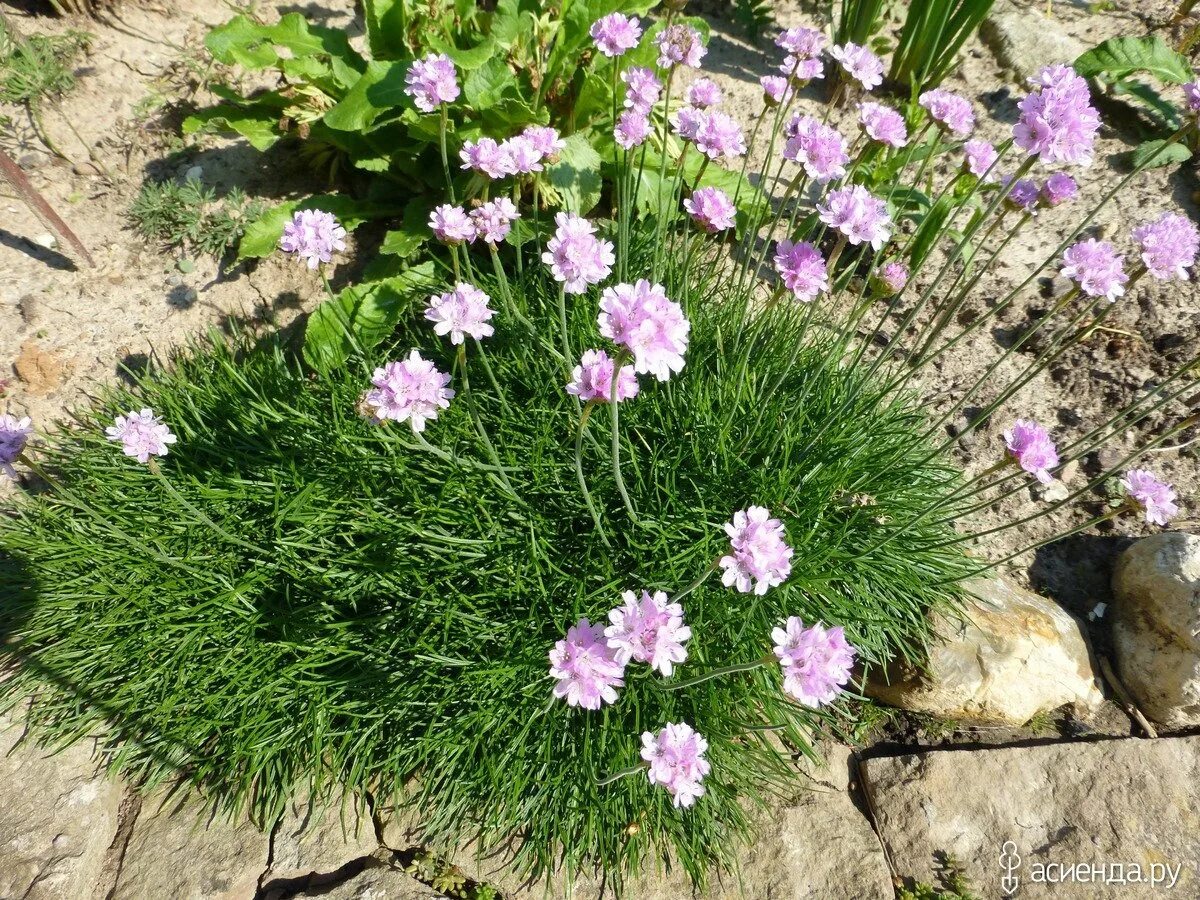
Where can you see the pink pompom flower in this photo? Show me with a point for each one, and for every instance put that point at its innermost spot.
(1156, 498)
(591, 381)
(889, 279)
(576, 257)
(484, 155)
(759, 558)
(1023, 195)
(859, 63)
(1191, 95)
(949, 110)
(1059, 188)
(431, 82)
(703, 93)
(653, 328)
(776, 88)
(14, 435)
(411, 390)
(687, 122)
(520, 156)
(493, 220)
(800, 71)
(979, 157)
(642, 88)
(313, 235)
(676, 762)
(816, 661)
(1029, 445)
(858, 215)
(1057, 122)
(1096, 267)
(818, 147)
(616, 34)
(805, 43)
(632, 129)
(586, 668)
(649, 630)
(720, 136)
(711, 208)
(451, 225)
(1168, 246)
(679, 45)
(461, 312)
(802, 269)
(546, 140)
(883, 124)
(141, 435)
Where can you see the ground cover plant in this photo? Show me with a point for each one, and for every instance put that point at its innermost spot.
(570, 538)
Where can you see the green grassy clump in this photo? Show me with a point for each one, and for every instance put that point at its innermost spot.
(367, 613)
(37, 66)
(188, 215)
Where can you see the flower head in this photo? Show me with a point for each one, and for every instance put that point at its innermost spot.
(1096, 267)
(461, 312)
(575, 255)
(649, 630)
(1191, 94)
(883, 124)
(720, 136)
(451, 224)
(141, 435)
(14, 435)
(802, 269)
(978, 158)
(411, 390)
(431, 82)
(703, 93)
(949, 110)
(677, 763)
(816, 661)
(632, 128)
(493, 220)
(484, 155)
(591, 381)
(711, 208)
(586, 667)
(520, 156)
(802, 42)
(642, 88)
(819, 148)
(1057, 122)
(799, 70)
(679, 44)
(640, 318)
(1156, 498)
(616, 34)
(758, 557)
(687, 122)
(1023, 194)
(1059, 188)
(313, 235)
(889, 279)
(859, 63)
(545, 140)
(1031, 448)
(778, 90)
(858, 214)
(1168, 246)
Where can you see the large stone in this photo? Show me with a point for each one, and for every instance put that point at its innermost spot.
(381, 883)
(1024, 39)
(1126, 801)
(179, 849)
(58, 816)
(1156, 626)
(1014, 654)
(316, 839)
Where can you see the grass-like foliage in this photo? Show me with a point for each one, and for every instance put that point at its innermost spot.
(361, 610)
(189, 215)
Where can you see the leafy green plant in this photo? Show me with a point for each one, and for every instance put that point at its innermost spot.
(757, 17)
(188, 215)
(934, 32)
(953, 883)
(37, 67)
(859, 20)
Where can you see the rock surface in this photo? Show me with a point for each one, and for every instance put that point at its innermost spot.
(1122, 801)
(1023, 39)
(381, 883)
(1156, 626)
(1015, 655)
(58, 816)
(315, 840)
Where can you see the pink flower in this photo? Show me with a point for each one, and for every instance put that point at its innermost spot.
(649, 630)
(1023, 194)
(859, 63)
(520, 156)
(1191, 93)
(483, 156)
(1168, 246)
(1057, 122)
(545, 140)
(431, 82)
(883, 124)
(1156, 498)
(493, 220)
(411, 390)
(802, 269)
(803, 42)
(758, 558)
(575, 255)
(616, 34)
(313, 235)
(451, 224)
(460, 312)
(857, 214)
(1030, 446)
(586, 667)
(14, 435)
(980, 157)
(642, 88)
(679, 44)
(820, 149)
(890, 279)
(799, 70)
(141, 435)
(1059, 188)
(677, 763)
(949, 110)
(778, 90)
(640, 318)
(720, 136)
(711, 208)
(591, 381)
(632, 128)
(1096, 267)
(816, 661)
(687, 122)
(704, 93)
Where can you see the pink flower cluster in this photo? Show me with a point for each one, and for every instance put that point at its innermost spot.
(949, 110)
(648, 630)
(141, 434)
(586, 667)
(818, 147)
(676, 761)
(777, 89)
(1057, 122)
(519, 155)
(715, 134)
(1029, 445)
(313, 235)
(1156, 498)
(632, 129)
(859, 63)
(1191, 95)
(493, 220)
(758, 558)
(411, 390)
(711, 208)
(703, 93)
(461, 312)
(980, 156)
(679, 45)
(816, 661)
(642, 92)
(802, 269)
(431, 82)
(591, 381)
(890, 279)
(1058, 189)
(576, 257)
(1169, 245)
(451, 225)
(653, 328)
(1023, 194)
(1096, 267)
(14, 435)
(616, 34)
(883, 124)
(803, 61)
(859, 215)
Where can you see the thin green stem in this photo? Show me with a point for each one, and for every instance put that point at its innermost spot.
(715, 673)
(618, 363)
(587, 495)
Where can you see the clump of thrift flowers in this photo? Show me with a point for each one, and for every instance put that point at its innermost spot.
(616, 34)
(711, 209)
(1169, 245)
(703, 93)
(759, 557)
(883, 124)
(14, 435)
(451, 225)
(816, 661)
(483, 155)
(461, 313)
(591, 380)
(950, 111)
(651, 327)
(576, 257)
(858, 215)
(411, 390)
(890, 278)
(648, 630)
(1057, 122)
(141, 435)
(1058, 189)
(979, 157)
(1029, 445)
(431, 82)
(802, 269)
(1096, 267)
(493, 220)
(859, 63)
(313, 235)
(1155, 498)
(676, 761)
(819, 148)
(679, 45)
(1023, 194)
(586, 667)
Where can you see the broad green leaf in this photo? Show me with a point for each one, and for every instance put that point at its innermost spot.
(240, 41)
(244, 42)
(261, 237)
(257, 124)
(413, 231)
(486, 85)
(380, 88)
(595, 100)
(1122, 56)
(386, 24)
(576, 176)
(1155, 154)
(466, 60)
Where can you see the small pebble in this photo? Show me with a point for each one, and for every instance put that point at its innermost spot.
(47, 240)
(195, 173)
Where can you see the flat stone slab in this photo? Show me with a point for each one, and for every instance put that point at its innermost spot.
(1065, 816)
(378, 883)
